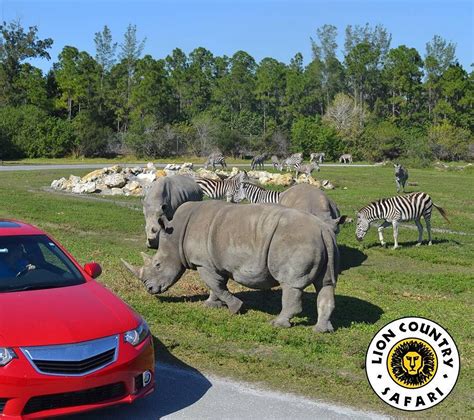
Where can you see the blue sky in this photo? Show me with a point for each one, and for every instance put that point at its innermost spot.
(263, 28)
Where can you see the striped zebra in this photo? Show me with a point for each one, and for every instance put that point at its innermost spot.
(394, 210)
(306, 169)
(401, 176)
(346, 158)
(317, 157)
(255, 194)
(276, 163)
(258, 161)
(293, 160)
(215, 159)
(220, 188)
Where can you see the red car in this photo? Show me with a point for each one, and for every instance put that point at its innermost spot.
(67, 344)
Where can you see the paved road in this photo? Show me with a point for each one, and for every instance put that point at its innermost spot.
(8, 168)
(184, 394)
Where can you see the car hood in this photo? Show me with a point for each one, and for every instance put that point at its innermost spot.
(63, 315)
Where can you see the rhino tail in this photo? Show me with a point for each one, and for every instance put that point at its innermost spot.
(332, 252)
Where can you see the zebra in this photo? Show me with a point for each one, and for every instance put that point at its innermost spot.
(306, 169)
(276, 163)
(258, 161)
(215, 159)
(398, 209)
(317, 157)
(219, 188)
(293, 160)
(256, 194)
(346, 158)
(401, 176)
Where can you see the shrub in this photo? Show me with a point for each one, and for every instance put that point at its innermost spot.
(91, 138)
(449, 142)
(309, 135)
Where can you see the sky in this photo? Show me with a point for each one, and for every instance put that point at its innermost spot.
(263, 28)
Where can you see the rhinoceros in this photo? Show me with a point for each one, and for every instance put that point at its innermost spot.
(308, 198)
(259, 246)
(163, 198)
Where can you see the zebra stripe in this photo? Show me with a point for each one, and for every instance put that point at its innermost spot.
(256, 194)
(401, 208)
(218, 188)
(306, 169)
(292, 161)
(215, 159)
(259, 161)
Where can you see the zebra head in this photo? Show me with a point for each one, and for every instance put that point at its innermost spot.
(240, 194)
(234, 187)
(362, 226)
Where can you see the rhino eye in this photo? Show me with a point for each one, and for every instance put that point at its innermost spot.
(157, 264)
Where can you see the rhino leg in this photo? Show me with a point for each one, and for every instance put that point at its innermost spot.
(291, 304)
(326, 305)
(213, 301)
(218, 286)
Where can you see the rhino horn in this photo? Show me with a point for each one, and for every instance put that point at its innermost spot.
(137, 272)
(146, 258)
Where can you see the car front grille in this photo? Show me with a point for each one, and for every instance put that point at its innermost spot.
(73, 359)
(101, 394)
(76, 367)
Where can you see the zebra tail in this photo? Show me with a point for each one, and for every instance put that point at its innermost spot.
(442, 212)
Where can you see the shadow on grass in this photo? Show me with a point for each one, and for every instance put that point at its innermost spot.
(350, 257)
(178, 386)
(349, 310)
(409, 244)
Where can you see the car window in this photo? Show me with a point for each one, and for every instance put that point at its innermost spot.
(34, 262)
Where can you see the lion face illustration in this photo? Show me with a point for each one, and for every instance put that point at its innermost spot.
(412, 363)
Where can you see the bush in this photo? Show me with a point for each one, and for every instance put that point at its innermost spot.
(309, 135)
(27, 131)
(382, 140)
(91, 139)
(449, 142)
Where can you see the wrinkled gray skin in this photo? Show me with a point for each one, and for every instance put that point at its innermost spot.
(163, 198)
(308, 198)
(259, 246)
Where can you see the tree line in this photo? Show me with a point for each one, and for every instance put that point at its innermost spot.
(378, 102)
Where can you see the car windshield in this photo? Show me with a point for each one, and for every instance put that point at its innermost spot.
(33, 263)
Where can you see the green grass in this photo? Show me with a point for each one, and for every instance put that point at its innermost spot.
(376, 286)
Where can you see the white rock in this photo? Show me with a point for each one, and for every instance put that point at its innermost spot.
(150, 166)
(116, 180)
(85, 187)
(146, 178)
(59, 184)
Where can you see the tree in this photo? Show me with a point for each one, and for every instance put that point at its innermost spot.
(440, 54)
(402, 73)
(105, 49)
(130, 51)
(16, 46)
(67, 77)
(449, 142)
(332, 70)
(270, 88)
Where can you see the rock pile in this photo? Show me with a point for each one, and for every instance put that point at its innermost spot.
(116, 180)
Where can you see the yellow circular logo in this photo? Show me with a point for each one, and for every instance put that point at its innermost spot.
(412, 363)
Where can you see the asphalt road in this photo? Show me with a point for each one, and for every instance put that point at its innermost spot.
(8, 168)
(184, 394)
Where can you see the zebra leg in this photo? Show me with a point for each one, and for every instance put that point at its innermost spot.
(428, 228)
(380, 231)
(218, 285)
(395, 234)
(326, 304)
(420, 231)
(398, 185)
(213, 301)
(291, 305)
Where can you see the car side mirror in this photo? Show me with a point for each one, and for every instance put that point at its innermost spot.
(93, 269)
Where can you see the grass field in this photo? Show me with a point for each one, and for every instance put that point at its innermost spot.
(377, 285)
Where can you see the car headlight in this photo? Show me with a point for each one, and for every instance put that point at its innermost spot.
(136, 336)
(6, 356)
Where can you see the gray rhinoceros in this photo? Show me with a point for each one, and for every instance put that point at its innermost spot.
(163, 198)
(259, 246)
(308, 198)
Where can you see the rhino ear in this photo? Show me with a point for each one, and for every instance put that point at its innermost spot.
(166, 229)
(341, 220)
